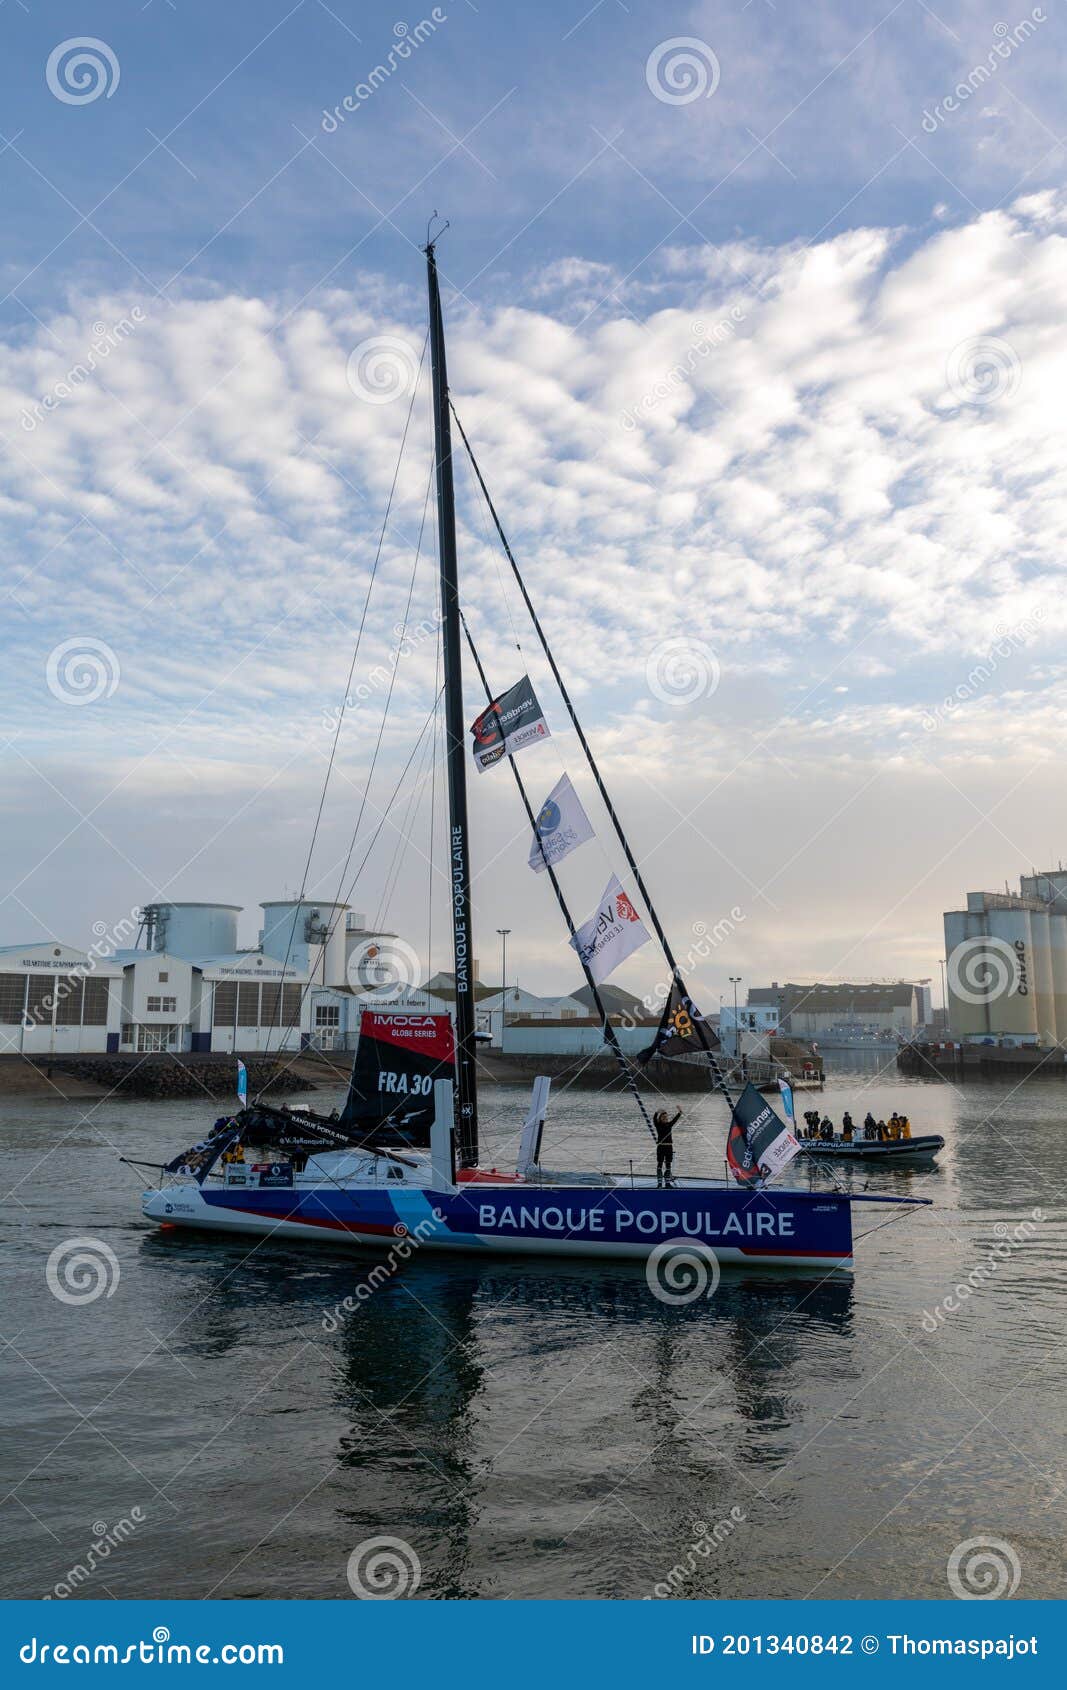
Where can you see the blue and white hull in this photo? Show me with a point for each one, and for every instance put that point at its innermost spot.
(771, 1227)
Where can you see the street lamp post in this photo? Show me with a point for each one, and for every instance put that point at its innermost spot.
(503, 931)
(735, 981)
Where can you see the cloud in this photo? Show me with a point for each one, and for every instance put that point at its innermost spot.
(840, 467)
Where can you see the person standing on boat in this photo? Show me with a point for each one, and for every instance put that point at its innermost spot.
(870, 1126)
(664, 1125)
(847, 1127)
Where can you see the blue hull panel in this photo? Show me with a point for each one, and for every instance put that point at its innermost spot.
(782, 1226)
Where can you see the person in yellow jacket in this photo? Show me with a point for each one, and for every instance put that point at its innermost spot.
(905, 1127)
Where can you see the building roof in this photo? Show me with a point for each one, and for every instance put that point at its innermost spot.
(818, 999)
(443, 985)
(616, 1001)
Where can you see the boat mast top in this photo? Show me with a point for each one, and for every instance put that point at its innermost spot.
(459, 864)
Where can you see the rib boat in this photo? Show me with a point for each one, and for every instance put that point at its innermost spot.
(923, 1148)
(401, 1160)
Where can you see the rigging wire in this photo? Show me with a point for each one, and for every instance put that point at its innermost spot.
(610, 1036)
(631, 860)
(381, 731)
(348, 687)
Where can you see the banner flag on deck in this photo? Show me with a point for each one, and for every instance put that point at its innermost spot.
(562, 825)
(758, 1145)
(508, 723)
(785, 1092)
(611, 934)
(242, 1083)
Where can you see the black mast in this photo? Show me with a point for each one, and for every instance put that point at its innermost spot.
(459, 863)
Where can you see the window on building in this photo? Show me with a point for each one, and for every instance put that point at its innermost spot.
(271, 1004)
(70, 989)
(328, 1015)
(94, 1009)
(164, 977)
(40, 1001)
(292, 998)
(12, 998)
(127, 1032)
(225, 1010)
(162, 1006)
(248, 1004)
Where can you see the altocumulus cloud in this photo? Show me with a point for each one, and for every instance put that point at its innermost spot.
(789, 454)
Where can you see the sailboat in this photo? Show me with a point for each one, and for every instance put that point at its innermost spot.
(401, 1160)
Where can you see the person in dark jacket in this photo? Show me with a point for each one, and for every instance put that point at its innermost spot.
(664, 1125)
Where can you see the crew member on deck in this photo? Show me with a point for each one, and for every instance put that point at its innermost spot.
(826, 1130)
(664, 1125)
(870, 1126)
(905, 1127)
(847, 1127)
(881, 1132)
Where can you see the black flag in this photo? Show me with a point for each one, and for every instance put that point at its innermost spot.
(758, 1145)
(676, 1034)
(507, 723)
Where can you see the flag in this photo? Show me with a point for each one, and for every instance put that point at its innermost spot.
(785, 1092)
(242, 1083)
(677, 1032)
(562, 825)
(507, 724)
(610, 935)
(758, 1145)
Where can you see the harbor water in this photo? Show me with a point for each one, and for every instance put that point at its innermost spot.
(241, 1416)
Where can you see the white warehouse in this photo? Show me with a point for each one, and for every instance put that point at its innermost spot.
(187, 986)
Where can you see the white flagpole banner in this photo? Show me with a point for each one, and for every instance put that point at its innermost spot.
(612, 934)
(562, 825)
(509, 722)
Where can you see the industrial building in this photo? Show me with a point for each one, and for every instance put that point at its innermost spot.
(1006, 964)
(809, 1012)
(187, 985)
(56, 1000)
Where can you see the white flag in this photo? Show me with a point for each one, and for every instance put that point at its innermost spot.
(562, 826)
(611, 934)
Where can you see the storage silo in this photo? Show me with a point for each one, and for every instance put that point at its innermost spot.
(191, 930)
(311, 932)
(1041, 988)
(1057, 927)
(990, 974)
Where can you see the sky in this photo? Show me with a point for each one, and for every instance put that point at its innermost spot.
(755, 318)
